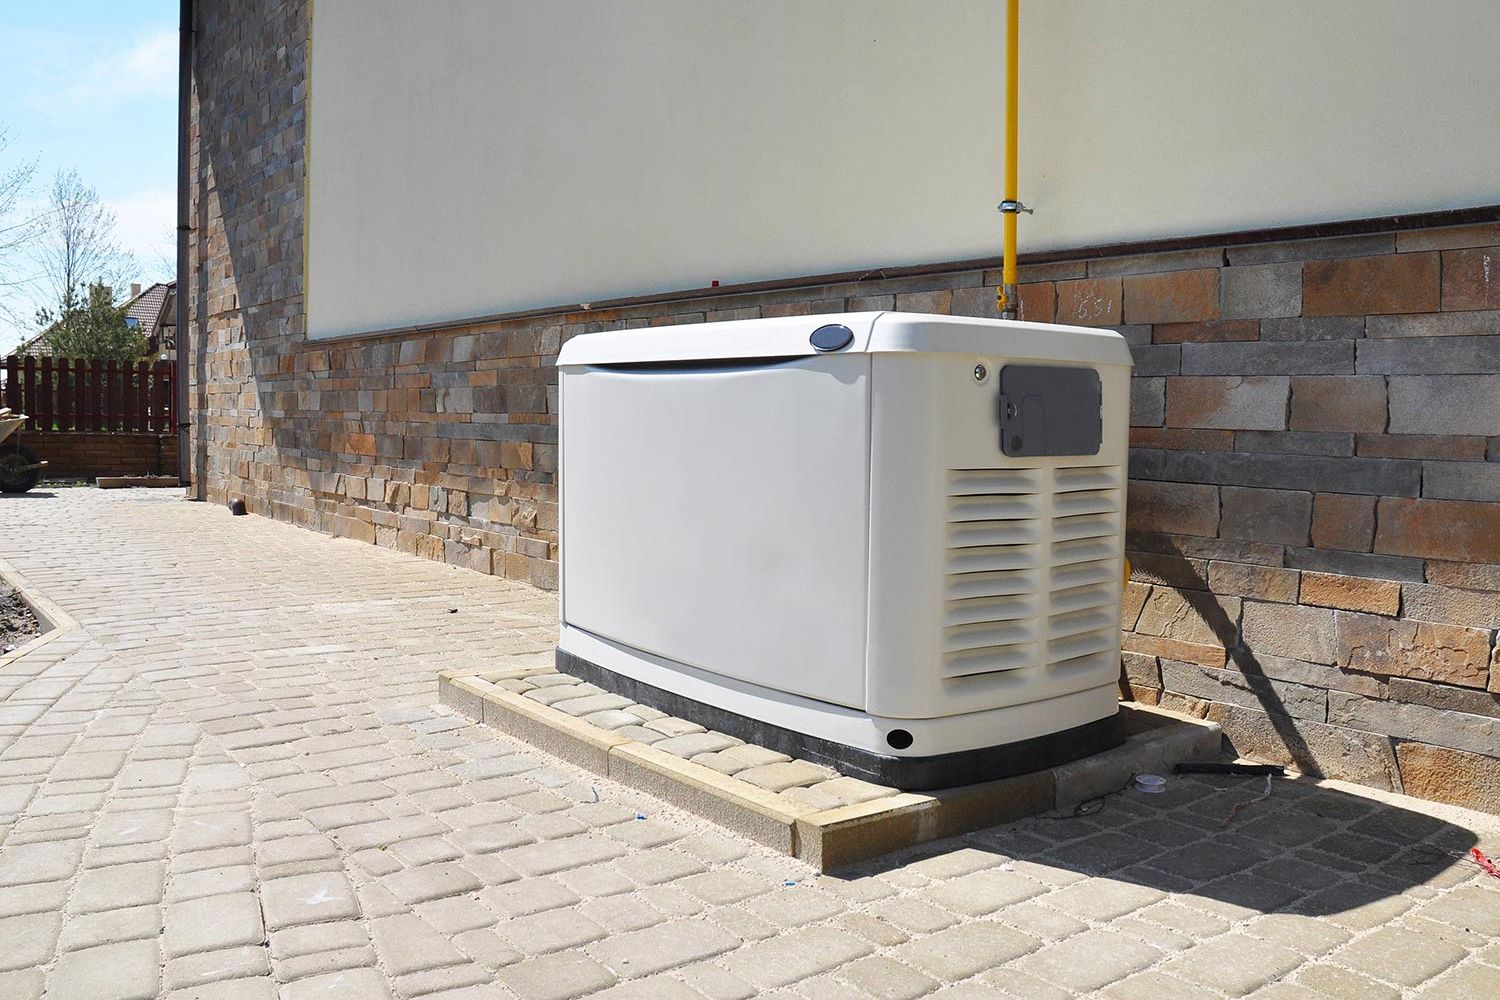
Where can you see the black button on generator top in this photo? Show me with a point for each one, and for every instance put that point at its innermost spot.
(833, 337)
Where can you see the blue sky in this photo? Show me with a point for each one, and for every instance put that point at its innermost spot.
(92, 85)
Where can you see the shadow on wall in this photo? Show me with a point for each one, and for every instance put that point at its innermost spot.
(1243, 660)
(1308, 849)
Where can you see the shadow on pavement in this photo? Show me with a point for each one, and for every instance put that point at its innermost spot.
(1308, 849)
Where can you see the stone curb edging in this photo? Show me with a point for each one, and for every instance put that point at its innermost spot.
(53, 619)
(145, 482)
(824, 838)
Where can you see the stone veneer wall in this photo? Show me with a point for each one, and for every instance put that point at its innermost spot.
(1314, 513)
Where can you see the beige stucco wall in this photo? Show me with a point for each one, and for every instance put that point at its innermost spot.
(470, 157)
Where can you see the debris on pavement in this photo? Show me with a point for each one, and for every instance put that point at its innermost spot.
(18, 623)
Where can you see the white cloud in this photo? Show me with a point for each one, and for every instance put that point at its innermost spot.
(150, 65)
(148, 68)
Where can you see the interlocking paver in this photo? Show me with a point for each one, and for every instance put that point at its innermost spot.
(211, 923)
(620, 912)
(118, 885)
(88, 765)
(1470, 907)
(313, 938)
(136, 826)
(443, 979)
(797, 955)
(27, 940)
(307, 899)
(878, 976)
(1089, 960)
(556, 977)
(965, 949)
(1008, 982)
(724, 886)
(455, 914)
(531, 895)
(237, 989)
(1103, 899)
(345, 984)
(1399, 955)
(1155, 986)
(666, 946)
(487, 948)
(1302, 936)
(125, 971)
(1471, 981)
(246, 719)
(88, 930)
(656, 988)
(912, 915)
(324, 964)
(557, 855)
(207, 967)
(418, 885)
(692, 744)
(550, 930)
(406, 944)
(209, 831)
(983, 892)
(23, 864)
(782, 775)
(794, 906)
(209, 881)
(153, 773)
(652, 867)
(590, 703)
(1337, 981)
(24, 984)
(554, 826)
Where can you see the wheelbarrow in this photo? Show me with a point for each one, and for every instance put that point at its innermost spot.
(20, 469)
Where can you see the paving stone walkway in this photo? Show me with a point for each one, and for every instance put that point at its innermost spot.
(229, 782)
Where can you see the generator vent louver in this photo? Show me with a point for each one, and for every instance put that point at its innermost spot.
(1029, 570)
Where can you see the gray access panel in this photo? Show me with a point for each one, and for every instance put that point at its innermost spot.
(1048, 410)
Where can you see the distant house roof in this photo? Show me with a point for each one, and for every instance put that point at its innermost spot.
(36, 347)
(148, 309)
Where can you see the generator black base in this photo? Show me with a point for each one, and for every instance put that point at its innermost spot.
(914, 774)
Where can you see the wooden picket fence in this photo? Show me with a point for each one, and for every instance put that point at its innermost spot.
(62, 394)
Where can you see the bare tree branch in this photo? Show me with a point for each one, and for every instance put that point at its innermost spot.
(14, 182)
(77, 246)
(16, 233)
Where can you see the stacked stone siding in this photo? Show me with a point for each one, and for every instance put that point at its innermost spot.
(1314, 513)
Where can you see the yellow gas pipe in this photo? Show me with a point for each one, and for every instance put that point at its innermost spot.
(1010, 207)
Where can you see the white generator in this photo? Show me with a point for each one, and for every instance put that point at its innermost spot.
(887, 542)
